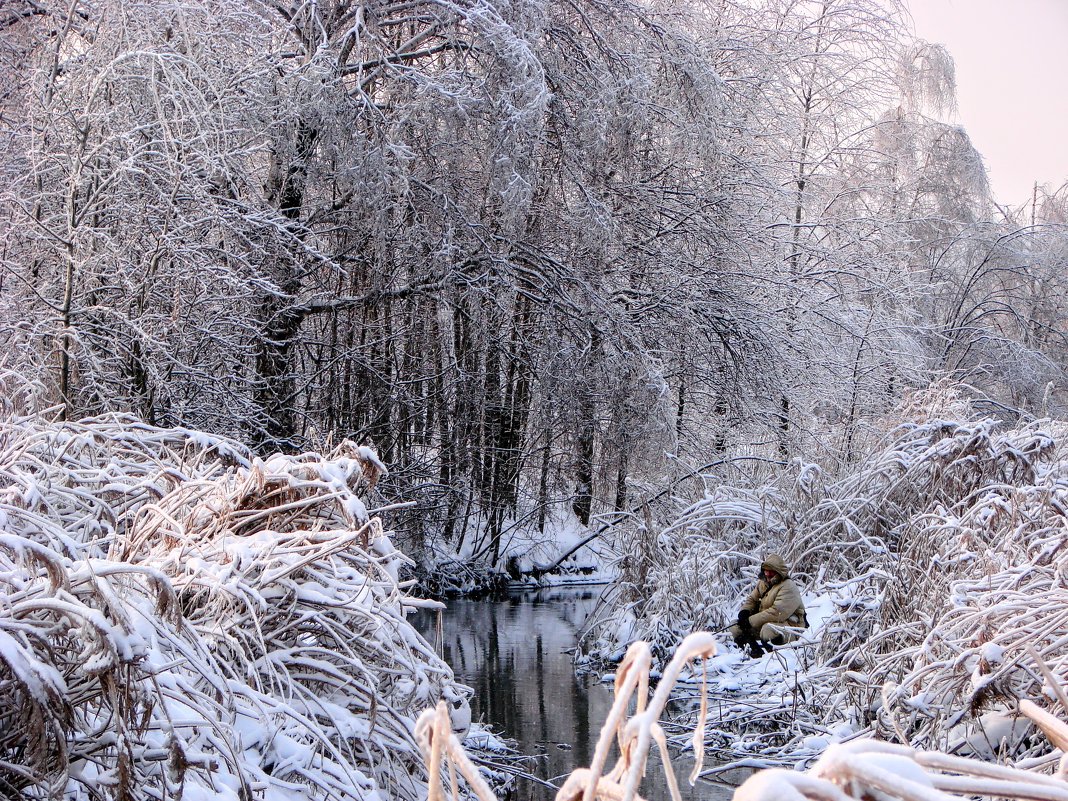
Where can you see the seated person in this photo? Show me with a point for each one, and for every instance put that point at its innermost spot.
(773, 614)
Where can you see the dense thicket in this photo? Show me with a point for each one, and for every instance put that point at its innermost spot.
(524, 248)
(182, 620)
(938, 567)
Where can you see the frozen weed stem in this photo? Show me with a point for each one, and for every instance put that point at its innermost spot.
(633, 735)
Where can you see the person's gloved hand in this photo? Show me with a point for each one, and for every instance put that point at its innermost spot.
(743, 618)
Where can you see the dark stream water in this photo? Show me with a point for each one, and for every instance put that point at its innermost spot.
(516, 655)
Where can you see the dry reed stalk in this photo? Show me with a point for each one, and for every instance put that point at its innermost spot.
(632, 735)
(864, 769)
(433, 732)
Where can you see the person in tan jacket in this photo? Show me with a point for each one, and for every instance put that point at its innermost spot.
(773, 614)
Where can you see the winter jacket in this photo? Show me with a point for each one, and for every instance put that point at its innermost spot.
(776, 602)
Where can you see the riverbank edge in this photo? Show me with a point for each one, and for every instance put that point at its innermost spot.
(464, 581)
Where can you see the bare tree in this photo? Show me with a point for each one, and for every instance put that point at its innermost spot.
(524, 249)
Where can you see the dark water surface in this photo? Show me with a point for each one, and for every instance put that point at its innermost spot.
(516, 655)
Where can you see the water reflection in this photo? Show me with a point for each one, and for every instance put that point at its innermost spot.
(515, 654)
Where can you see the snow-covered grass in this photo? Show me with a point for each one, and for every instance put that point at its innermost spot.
(929, 570)
(858, 770)
(180, 619)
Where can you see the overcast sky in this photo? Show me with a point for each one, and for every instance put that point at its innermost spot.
(1012, 84)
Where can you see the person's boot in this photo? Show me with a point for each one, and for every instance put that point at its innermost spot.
(745, 640)
(742, 641)
(757, 648)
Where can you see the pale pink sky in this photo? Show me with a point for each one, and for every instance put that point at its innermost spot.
(1012, 84)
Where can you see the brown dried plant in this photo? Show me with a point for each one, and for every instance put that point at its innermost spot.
(633, 735)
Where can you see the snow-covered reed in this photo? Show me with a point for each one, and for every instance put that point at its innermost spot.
(632, 734)
(936, 562)
(865, 769)
(858, 770)
(180, 619)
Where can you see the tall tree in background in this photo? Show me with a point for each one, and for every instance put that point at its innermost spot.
(128, 265)
(837, 70)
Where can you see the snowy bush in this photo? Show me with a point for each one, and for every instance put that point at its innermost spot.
(182, 620)
(929, 570)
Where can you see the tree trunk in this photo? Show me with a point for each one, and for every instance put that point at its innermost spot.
(281, 323)
(621, 482)
(64, 336)
(274, 385)
(543, 481)
(511, 424)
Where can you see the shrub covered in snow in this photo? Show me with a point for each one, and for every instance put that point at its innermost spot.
(860, 770)
(182, 620)
(931, 567)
